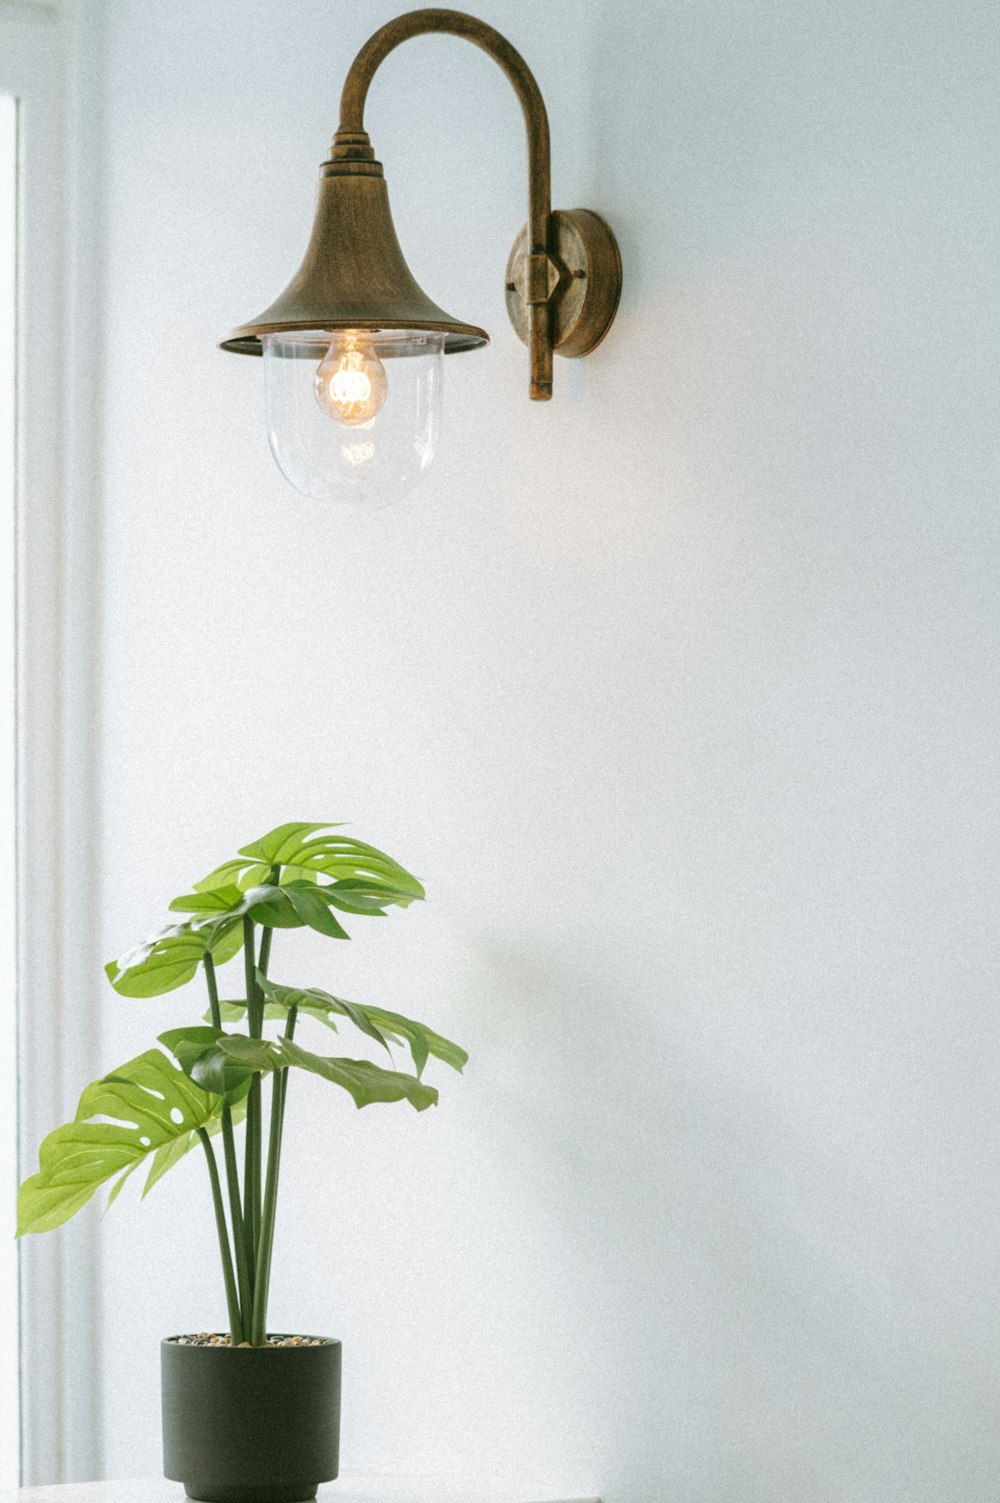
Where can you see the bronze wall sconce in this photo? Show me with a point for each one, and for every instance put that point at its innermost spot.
(340, 428)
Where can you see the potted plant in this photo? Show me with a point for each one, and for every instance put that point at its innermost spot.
(248, 1416)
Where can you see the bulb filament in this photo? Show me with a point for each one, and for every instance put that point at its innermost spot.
(351, 383)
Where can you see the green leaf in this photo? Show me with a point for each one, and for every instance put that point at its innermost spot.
(366, 1083)
(311, 903)
(361, 895)
(421, 1038)
(291, 997)
(235, 1012)
(222, 941)
(214, 1072)
(152, 1106)
(189, 1042)
(378, 1022)
(269, 905)
(281, 846)
(164, 1160)
(171, 1153)
(289, 906)
(170, 957)
(232, 873)
(220, 900)
(259, 1055)
(306, 855)
(195, 1051)
(226, 904)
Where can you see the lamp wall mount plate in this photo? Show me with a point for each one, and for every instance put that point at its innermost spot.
(582, 281)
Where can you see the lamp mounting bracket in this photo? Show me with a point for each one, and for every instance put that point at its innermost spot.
(564, 273)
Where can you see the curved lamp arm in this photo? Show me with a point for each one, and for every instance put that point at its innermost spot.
(564, 272)
(456, 23)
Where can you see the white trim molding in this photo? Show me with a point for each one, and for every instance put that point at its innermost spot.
(49, 59)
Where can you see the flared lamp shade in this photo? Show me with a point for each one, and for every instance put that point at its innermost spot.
(353, 275)
(341, 427)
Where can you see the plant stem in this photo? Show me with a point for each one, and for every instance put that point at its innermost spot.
(232, 1172)
(279, 1091)
(255, 1022)
(213, 991)
(232, 1299)
(251, 1167)
(250, 1162)
(265, 951)
(265, 940)
(236, 1216)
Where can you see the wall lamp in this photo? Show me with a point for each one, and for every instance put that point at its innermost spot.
(340, 425)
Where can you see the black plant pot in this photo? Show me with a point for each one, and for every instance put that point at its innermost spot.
(250, 1424)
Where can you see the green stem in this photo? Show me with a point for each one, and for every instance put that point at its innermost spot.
(265, 951)
(279, 1092)
(252, 1165)
(265, 940)
(255, 1000)
(232, 1172)
(251, 1170)
(255, 1018)
(213, 991)
(236, 1216)
(232, 1299)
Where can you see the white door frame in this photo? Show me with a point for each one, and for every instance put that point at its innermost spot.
(50, 59)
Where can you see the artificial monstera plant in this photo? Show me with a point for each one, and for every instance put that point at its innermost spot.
(153, 1109)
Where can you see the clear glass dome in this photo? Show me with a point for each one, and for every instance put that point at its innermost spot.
(343, 426)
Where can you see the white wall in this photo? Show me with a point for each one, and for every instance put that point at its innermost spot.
(681, 695)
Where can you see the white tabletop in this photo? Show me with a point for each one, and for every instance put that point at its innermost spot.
(352, 1487)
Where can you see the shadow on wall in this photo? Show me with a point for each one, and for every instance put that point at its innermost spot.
(720, 1331)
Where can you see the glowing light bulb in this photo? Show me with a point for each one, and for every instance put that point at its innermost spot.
(351, 383)
(335, 428)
